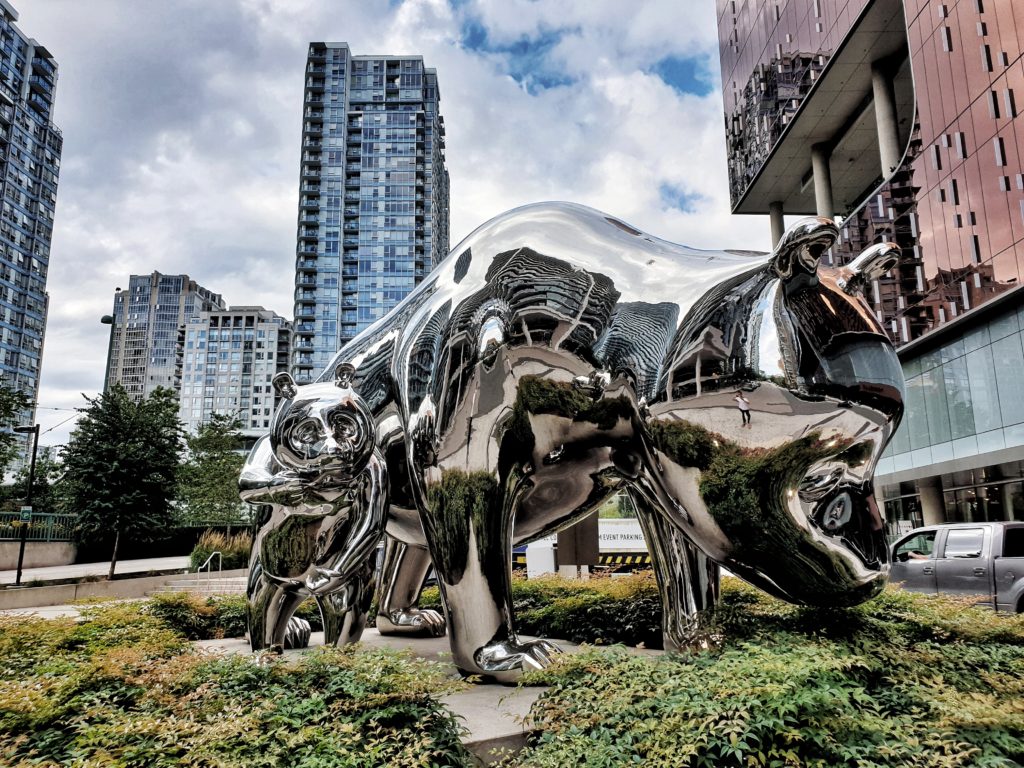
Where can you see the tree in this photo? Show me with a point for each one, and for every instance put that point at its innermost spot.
(121, 465)
(208, 479)
(13, 405)
(45, 485)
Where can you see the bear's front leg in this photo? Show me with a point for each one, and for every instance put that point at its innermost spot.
(270, 606)
(468, 523)
(688, 580)
(344, 610)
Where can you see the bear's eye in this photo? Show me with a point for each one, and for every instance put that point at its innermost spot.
(344, 427)
(307, 433)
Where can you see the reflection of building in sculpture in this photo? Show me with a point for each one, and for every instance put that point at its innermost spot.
(373, 207)
(636, 341)
(953, 201)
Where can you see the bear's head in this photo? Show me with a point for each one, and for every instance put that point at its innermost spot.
(322, 427)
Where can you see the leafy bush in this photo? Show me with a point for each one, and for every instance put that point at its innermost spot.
(904, 680)
(217, 616)
(122, 689)
(234, 549)
(602, 610)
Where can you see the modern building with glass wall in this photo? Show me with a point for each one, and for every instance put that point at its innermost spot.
(373, 195)
(903, 117)
(229, 358)
(144, 351)
(30, 148)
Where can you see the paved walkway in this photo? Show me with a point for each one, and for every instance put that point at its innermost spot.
(82, 570)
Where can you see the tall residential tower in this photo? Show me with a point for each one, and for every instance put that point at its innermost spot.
(30, 147)
(373, 201)
(144, 349)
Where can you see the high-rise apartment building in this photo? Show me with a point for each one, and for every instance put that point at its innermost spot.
(229, 358)
(825, 101)
(144, 351)
(30, 147)
(373, 201)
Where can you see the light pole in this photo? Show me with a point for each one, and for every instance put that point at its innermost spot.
(108, 320)
(25, 430)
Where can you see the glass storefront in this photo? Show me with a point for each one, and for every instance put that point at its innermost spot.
(963, 398)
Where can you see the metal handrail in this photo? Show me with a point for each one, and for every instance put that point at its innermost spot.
(209, 566)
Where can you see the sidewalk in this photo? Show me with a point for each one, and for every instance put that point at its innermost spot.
(81, 570)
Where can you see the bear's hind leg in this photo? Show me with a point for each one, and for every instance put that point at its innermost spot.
(402, 574)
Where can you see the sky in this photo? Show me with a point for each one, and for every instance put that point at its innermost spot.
(182, 128)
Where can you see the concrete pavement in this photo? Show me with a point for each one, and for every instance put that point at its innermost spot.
(83, 570)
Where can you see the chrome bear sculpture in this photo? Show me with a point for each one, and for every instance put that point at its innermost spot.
(559, 356)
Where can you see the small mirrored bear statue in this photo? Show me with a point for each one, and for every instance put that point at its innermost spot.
(319, 481)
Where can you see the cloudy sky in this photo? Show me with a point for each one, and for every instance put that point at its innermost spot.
(182, 124)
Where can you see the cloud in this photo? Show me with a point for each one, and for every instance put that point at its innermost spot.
(182, 126)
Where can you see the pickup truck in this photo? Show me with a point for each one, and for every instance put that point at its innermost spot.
(970, 559)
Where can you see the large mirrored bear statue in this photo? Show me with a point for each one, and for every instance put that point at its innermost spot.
(559, 356)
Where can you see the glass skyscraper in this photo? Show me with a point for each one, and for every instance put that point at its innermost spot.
(373, 202)
(144, 337)
(30, 147)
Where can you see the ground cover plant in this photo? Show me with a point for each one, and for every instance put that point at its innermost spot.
(122, 688)
(904, 680)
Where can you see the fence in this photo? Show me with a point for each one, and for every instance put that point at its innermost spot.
(45, 526)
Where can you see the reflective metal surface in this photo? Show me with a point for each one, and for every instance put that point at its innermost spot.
(322, 485)
(559, 355)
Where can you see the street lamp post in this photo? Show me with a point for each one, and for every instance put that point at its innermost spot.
(24, 430)
(108, 320)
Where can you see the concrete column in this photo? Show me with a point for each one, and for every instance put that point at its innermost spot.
(885, 119)
(778, 225)
(933, 508)
(820, 154)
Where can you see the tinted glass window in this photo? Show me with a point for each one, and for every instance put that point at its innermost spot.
(1013, 542)
(918, 547)
(964, 542)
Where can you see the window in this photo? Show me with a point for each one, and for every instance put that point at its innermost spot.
(964, 542)
(918, 547)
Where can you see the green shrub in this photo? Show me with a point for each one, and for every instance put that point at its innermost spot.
(904, 680)
(234, 550)
(214, 617)
(120, 688)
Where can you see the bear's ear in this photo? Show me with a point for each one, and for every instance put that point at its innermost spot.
(343, 374)
(284, 385)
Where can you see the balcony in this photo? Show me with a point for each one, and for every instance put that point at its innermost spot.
(44, 66)
(314, 158)
(316, 115)
(316, 69)
(309, 234)
(310, 172)
(315, 84)
(310, 203)
(41, 84)
(306, 265)
(305, 312)
(309, 188)
(312, 143)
